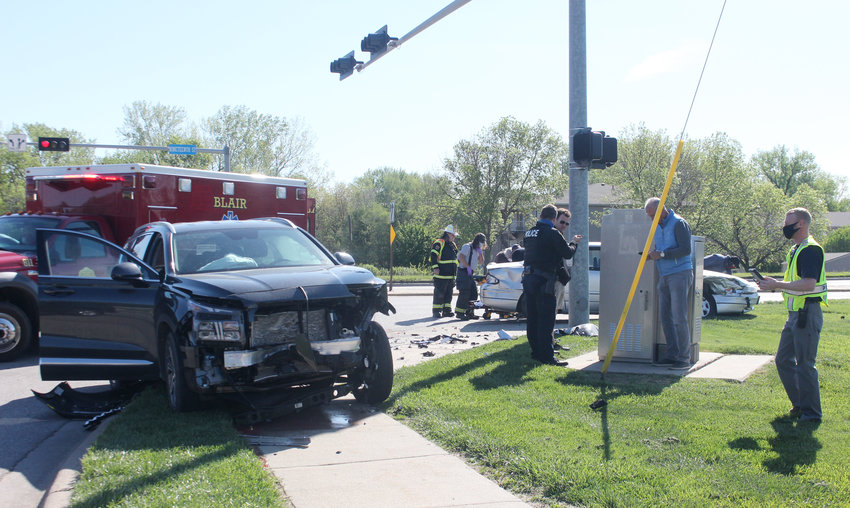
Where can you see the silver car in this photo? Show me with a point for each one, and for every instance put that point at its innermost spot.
(501, 292)
(726, 294)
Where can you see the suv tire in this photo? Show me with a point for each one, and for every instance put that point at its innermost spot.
(180, 398)
(373, 382)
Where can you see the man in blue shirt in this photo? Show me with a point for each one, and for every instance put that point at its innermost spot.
(672, 256)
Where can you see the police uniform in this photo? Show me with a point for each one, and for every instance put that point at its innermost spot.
(798, 344)
(545, 250)
(444, 259)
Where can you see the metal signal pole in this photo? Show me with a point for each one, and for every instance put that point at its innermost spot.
(579, 223)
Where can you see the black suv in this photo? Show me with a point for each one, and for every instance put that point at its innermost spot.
(248, 308)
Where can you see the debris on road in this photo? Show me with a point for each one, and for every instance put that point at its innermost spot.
(503, 335)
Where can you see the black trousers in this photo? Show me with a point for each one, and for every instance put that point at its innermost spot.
(467, 291)
(442, 295)
(540, 317)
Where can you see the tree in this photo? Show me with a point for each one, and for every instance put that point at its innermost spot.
(14, 164)
(509, 168)
(838, 240)
(266, 144)
(158, 125)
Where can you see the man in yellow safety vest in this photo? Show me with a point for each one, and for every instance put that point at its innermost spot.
(804, 291)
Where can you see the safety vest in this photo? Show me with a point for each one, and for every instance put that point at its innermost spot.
(448, 266)
(794, 300)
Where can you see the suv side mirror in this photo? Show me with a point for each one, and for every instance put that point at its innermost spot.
(127, 272)
(344, 258)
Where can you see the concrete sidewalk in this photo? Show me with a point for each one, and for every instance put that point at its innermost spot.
(354, 456)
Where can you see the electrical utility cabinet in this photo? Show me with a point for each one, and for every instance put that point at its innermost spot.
(642, 338)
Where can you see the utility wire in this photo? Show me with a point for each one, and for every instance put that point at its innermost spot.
(682, 135)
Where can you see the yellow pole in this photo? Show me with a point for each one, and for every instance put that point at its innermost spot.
(643, 255)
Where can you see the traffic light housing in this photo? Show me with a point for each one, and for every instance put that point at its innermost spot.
(344, 66)
(593, 149)
(54, 144)
(376, 43)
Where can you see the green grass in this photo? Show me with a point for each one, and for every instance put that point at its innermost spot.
(661, 440)
(149, 456)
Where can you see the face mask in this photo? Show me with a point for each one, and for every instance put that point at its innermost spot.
(789, 230)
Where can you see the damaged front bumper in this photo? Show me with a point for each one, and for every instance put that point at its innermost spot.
(241, 359)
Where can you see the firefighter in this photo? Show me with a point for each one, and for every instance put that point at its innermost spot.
(444, 265)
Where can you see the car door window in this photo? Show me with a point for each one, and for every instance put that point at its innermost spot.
(70, 255)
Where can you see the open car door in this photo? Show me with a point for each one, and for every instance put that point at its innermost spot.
(97, 309)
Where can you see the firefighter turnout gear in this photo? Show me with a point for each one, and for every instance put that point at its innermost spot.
(444, 264)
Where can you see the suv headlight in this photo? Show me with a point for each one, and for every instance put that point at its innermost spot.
(211, 324)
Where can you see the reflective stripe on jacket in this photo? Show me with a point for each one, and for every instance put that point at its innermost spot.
(444, 258)
(795, 300)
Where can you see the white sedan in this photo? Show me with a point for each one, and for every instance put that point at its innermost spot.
(726, 294)
(502, 289)
(501, 292)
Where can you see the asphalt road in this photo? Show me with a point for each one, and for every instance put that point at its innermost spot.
(35, 442)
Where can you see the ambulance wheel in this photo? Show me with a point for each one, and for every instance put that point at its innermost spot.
(15, 333)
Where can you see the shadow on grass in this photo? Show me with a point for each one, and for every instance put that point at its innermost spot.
(612, 386)
(121, 491)
(514, 362)
(794, 443)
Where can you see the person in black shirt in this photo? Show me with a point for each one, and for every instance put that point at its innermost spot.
(545, 250)
(804, 291)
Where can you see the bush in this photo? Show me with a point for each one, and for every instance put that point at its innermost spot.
(838, 240)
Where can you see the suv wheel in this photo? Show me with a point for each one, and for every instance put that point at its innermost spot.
(180, 398)
(14, 332)
(373, 381)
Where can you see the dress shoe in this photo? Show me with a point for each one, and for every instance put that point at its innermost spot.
(553, 361)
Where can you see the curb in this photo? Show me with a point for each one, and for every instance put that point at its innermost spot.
(60, 491)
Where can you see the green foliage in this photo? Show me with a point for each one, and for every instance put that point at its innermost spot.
(510, 168)
(149, 456)
(660, 441)
(838, 240)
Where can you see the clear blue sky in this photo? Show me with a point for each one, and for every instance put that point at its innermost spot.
(778, 73)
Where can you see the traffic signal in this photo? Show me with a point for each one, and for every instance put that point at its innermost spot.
(344, 66)
(376, 43)
(593, 149)
(54, 144)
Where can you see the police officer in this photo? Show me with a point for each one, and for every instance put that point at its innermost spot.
(545, 250)
(804, 291)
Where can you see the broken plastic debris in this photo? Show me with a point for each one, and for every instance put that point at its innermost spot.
(599, 403)
(585, 330)
(429, 353)
(503, 335)
(300, 442)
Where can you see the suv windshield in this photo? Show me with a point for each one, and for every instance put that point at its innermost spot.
(232, 249)
(17, 234)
